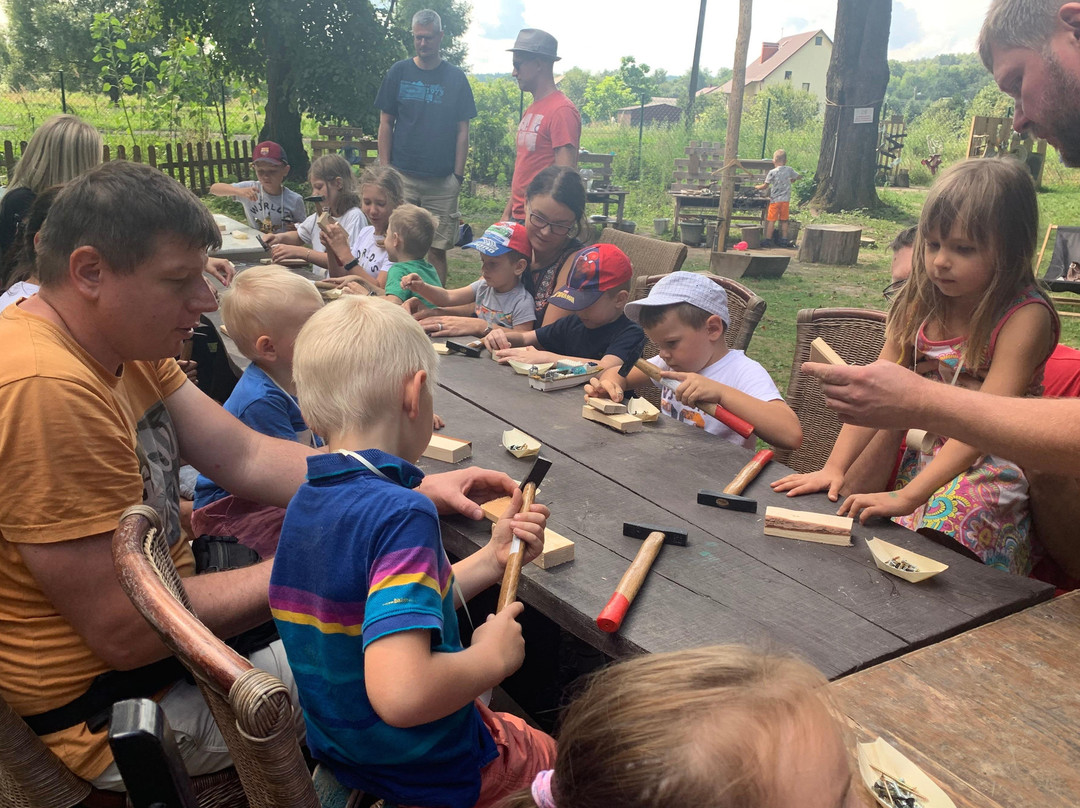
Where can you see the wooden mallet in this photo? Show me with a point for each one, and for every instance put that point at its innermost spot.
(728, 419)
(730, 497)
(611, 617)
(508, 591)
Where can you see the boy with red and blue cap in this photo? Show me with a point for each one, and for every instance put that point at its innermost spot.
(501, 300)
(596, 291)
(270, 206)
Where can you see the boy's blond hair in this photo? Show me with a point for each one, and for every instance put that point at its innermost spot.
(257, 298)
(351, 360)
(415, 226)
(780, 156)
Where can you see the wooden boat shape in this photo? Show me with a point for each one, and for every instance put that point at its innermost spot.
(897, 561)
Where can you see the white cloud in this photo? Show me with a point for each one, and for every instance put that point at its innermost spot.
(594, 35)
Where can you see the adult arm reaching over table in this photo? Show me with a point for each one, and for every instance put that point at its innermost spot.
(1041, 434)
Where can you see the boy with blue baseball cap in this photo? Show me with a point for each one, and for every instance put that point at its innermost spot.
(596, 291)
(501, 300)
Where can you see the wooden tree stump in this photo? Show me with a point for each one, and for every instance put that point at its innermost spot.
(830, 244)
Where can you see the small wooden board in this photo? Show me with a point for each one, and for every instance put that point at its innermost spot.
(440, 348)
(606, 406)
(621, 422)
(447, 449)
(813, 523)
(557, 548)
(821, 351)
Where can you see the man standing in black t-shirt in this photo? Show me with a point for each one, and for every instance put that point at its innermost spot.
(426, 104)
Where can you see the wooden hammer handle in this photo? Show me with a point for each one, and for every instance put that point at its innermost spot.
(738, 425)
(612, 615)
(749, 472)
(508, 590)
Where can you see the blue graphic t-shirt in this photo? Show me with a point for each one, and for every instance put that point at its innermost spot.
(427, 106)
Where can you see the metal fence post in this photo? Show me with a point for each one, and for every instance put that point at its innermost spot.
(640, 135)
(765, 137)
(63, 94)
(224, 120)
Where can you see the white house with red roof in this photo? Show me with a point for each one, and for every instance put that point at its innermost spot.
(801, 60)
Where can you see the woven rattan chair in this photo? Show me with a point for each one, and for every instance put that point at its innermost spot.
(31, 776)
(649, 256)
(858, 336)
(745, 307)
(252, 708)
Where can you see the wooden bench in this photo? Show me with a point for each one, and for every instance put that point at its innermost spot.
(696, 179)
(346, 139)
(603, 192)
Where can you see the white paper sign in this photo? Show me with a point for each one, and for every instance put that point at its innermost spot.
(864, 115)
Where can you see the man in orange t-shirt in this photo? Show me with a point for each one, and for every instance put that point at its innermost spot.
(94, 415)
(550, 129)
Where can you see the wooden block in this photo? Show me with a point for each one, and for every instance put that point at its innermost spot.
(748, 264)
(239, 235)
(440, 348)
(447, 449)
(807, 526)
(557, 548)
(606, 405)
(623, 422)
(821, 351)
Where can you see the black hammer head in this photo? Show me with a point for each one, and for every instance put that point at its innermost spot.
(731, 502)
(639, 530)
(464, 348)
(537, 473)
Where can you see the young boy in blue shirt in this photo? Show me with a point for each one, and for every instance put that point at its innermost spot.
(364, 595)
(596, 291)
(263, 311)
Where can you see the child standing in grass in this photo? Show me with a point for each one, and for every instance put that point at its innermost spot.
(778, 181)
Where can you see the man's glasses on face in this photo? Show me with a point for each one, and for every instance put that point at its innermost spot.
(540, 223)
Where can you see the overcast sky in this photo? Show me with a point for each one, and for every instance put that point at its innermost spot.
(593, 35)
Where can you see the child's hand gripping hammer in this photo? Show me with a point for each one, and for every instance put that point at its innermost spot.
(729, 419)
(508, 591)
(611, 617)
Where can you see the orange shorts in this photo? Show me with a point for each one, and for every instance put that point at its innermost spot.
(523, 751)
(778, 211)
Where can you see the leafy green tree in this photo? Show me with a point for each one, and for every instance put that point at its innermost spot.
(491, 134)
(324, 57)
(636, 77)
(455, 20)
(604, 96)
(991, 101)
(788, 107)
(573, 85)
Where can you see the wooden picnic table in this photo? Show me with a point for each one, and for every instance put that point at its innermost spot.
(244, 247)
(991, 714)
(732, 583)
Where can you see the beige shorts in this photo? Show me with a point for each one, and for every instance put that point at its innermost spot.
(439, 196)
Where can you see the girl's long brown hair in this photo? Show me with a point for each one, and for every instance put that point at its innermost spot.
(330, 167)
(992, 202)
(701, 727)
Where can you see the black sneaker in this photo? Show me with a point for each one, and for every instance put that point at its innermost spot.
(766, 244)
(783, 242)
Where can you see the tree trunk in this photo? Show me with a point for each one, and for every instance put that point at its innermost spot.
(858, 76)
(282, 122)
(735, 107)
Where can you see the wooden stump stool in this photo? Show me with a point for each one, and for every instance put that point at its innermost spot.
(830, 244)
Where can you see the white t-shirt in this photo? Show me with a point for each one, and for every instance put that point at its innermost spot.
(15, 291)
(503, 309)
(736, 370)
(282, 209)
(373, 258)
(353, 220)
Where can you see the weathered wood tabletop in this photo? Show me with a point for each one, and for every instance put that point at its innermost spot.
(991, 714)
(732, 583)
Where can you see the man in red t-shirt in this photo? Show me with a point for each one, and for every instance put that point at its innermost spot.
(550, 129)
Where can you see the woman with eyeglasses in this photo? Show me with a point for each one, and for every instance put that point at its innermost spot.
(554, 210)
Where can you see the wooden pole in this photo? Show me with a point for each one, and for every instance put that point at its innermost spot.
(689, 122)
(735, 105)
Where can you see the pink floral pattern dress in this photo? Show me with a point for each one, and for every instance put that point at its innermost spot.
(985, 508)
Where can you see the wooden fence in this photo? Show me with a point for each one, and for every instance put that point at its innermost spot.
(196, 165)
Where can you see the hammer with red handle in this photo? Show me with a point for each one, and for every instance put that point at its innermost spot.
(611, 617)
(728, 419)
(730, 497)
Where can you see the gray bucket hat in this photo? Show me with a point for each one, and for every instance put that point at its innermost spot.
(536, 42)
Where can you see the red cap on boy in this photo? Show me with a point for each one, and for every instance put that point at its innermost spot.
(596, 270)
(270, 152)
